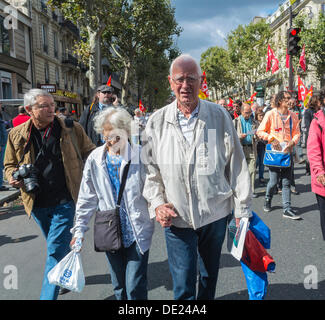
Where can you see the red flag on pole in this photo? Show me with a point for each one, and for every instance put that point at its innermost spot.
(287, 60)
(231, 103)
(302, 90)
(272, 61)
(141, 107)
(109, 82)
(302, 59)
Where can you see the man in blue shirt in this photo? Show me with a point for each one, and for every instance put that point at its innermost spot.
(246, 127)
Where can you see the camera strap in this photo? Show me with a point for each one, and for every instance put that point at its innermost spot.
(29, 141)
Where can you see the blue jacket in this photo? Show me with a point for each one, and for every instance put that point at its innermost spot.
(3, 134)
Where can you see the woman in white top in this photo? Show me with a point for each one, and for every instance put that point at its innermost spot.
(99, 190)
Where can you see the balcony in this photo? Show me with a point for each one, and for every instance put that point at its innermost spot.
(69, 25)
(70, 60)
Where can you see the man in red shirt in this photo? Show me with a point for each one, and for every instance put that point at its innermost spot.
(21, 118)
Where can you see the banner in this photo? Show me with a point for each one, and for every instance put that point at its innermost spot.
(302, 59)
(204, 92)
(141, 107)
(251, 99)
(302, 90)
(272, 62)
(109, 81)
(308, 96)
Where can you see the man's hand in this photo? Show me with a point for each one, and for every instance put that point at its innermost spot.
(16, 183)
(321, 179)
(242, 136)
(165, 213)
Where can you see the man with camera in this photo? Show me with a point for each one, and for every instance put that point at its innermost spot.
(44, 158)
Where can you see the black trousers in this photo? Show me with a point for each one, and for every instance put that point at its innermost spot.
(321, 206)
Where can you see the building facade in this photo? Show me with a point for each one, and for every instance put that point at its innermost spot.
(16, 75)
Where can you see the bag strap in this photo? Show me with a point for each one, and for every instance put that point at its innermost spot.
(125, 173)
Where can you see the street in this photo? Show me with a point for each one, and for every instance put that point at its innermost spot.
(297, 247)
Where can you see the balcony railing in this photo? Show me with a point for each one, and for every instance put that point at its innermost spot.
(70, 59)
(69, 25)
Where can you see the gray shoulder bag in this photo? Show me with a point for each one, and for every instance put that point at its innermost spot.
(107, 228)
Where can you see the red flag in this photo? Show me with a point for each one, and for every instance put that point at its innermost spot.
(302, 59)
(302, 90)
(272, 61)
(109, 81)
(141, 107)
(287, 60)
(204, 92)
(231, 103)
(251, 99)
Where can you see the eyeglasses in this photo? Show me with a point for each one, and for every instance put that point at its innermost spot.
(112, 138)
(106, 92)
(181, 80)
(44, 106)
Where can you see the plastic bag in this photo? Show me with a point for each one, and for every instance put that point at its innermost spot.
(255, 255)
(256, 283)
(68, 273)
(260, 230)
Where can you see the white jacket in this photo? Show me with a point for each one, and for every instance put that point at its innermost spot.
(96, 194)
(204, 181)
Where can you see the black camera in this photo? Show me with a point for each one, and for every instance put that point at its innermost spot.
(28, 173)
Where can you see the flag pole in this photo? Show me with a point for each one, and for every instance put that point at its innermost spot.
(290, 86)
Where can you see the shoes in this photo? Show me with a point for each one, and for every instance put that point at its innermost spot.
(294, 191)
(261, 182)
(63, 291)
(301, 161)
(3, 188)
(291, 214)
(307, 174)
(255, 195)
(280, 191)
(267, 205)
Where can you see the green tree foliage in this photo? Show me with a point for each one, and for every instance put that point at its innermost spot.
(313, 36)
(141, 32)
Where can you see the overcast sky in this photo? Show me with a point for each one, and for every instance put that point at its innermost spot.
(206, 23)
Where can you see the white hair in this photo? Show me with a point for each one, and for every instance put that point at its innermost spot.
(117, 117)
(186, 58)
(30, 96)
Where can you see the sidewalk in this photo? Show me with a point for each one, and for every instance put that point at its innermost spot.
(10, 195)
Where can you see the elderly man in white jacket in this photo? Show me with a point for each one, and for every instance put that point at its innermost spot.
(197, 174)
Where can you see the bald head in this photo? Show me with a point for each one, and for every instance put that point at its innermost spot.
(182, 59)
(246, 110)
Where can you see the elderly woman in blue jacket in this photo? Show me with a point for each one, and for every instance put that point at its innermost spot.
(99, 190)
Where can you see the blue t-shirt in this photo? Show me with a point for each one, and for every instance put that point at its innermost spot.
(246, 127)
(113, 164)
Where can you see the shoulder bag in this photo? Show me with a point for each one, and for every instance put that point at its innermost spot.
(107, 227)
(278, 159)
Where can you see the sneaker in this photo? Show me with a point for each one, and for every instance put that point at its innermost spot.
(301, 161)
(291, 214)
(254, 195)
(63, 291)
(294, 191)
(267, 205)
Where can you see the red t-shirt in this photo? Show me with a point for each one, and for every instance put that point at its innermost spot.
(21, 118)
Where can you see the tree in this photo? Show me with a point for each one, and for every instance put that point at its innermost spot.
(313, 36)
(247, 47)
(92, 18)
(216, 62)
(143, 28)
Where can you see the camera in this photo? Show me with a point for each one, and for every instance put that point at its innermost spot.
(28, 173)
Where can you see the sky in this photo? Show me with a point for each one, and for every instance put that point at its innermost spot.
(206, 23)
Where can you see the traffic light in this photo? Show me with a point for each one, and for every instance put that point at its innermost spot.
(293, 39)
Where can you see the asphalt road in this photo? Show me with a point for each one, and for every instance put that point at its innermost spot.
(297, 248)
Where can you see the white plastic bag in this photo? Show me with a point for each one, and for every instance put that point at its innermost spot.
(239, 239)
(68, 273)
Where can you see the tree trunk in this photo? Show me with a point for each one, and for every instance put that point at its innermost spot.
(125, 84)
(93, 58)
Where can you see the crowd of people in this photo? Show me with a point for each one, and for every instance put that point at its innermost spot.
(188, 167)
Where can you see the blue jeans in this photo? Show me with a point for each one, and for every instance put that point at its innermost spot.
(55, 223)
(185, 246)
(275, 175)
(128, 268)
(260, 159)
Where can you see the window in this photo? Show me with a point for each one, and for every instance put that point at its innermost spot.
(57, 77)
(43, 6)
(4, 38)
(56, 44)
(44, 38)
(47, 72)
